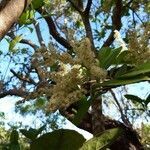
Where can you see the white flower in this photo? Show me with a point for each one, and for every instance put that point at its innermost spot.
(119, 40)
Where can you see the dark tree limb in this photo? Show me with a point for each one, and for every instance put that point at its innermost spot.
(29, 42)
(116, 22)
(13, 92)
(88, 7)
(97, 116)
(25, 79)
(53, 31)
(85, 15)
(77, 6)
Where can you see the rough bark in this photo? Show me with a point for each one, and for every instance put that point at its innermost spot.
(10, 13)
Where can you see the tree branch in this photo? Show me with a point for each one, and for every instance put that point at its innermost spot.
(29, 42)
(123, 116)
(10, 14)
(116, 22)
(14, 92)
(25, 79)
(23, 41)
(85, 18)
(53, 31)
(88, 6)
(76, 7)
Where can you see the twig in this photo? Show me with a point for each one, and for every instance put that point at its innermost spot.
(38, 33)
(123, 117)
(29, 80)
(23, 41)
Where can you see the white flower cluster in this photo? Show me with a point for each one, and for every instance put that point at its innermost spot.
(87, 58)
(68, 86)
(72, 73)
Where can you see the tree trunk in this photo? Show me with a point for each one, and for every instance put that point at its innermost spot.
(9, 13)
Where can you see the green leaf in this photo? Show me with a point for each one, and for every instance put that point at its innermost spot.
(103, 54)
(14, 147)
(27, 17)
(37, 3)
(121, 58)
(14, 137)
(125, 81)
(102, 141)
(122, 70)
(107, 57)
(147, 101)
(32, 133)
(134, 98)
(13, 43)
(41, 129)
(141, 69)
(62, 139)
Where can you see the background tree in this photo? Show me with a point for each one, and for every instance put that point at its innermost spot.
(77, 59)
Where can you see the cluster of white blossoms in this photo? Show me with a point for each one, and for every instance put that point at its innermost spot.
(68, 88)
(71, 74)
(139, 46)
(86, 57)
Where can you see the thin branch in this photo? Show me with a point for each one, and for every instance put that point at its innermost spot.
(123, 117)
(138, 16)
(23, 41)
(29, 42)
(38, 33)
(85, 18)
(25, 79)
(116, 22)
(13, 92)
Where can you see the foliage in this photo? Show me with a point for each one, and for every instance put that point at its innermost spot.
(77, 57)
(145, 134)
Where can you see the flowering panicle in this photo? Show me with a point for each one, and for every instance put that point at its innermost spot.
(139, 47)
(71, 73)
(87, 58)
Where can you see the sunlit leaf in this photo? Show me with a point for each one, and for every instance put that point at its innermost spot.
(102, 141)
(13, 43)
(107, 57)
(119, 82)
(27, 17)
(141, 69)
(37, 3)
